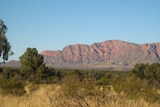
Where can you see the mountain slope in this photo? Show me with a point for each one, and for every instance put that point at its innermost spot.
(112, 53)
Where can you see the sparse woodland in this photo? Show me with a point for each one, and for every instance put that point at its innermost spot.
(139, 87)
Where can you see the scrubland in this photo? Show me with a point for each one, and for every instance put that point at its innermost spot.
(139, 87)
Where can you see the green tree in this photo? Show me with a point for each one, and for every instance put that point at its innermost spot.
(5, 47)
(157, 73)
(139, 70)
(32, 65)
(150, 72)
(153, 71)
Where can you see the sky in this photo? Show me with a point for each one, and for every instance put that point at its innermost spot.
(54, 24)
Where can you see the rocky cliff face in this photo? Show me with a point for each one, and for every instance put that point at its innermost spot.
(112, 53)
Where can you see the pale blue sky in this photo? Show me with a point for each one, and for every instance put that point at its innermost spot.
(53, 24)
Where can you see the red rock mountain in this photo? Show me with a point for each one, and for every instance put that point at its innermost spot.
(108, 54)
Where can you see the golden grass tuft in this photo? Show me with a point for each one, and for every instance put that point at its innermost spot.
(53, 96)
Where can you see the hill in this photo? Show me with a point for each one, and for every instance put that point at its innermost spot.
(111, 54)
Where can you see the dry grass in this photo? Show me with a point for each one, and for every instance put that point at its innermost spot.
(53, 96)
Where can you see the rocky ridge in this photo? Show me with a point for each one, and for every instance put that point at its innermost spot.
(113, 54)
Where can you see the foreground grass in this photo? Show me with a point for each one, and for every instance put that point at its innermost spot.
(56, 96)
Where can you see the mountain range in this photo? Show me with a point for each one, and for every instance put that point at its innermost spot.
(110, 54)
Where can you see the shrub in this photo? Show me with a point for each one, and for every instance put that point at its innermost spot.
(12, 87)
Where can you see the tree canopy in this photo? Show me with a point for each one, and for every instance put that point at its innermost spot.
(5, 47)
(32, 65)
(147, 71)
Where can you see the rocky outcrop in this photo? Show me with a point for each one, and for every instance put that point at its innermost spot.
(112, 53)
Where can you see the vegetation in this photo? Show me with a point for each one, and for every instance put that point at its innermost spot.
(32, 67)
(81, 88)
(11, 82)
(5, 47)
(84, 88)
